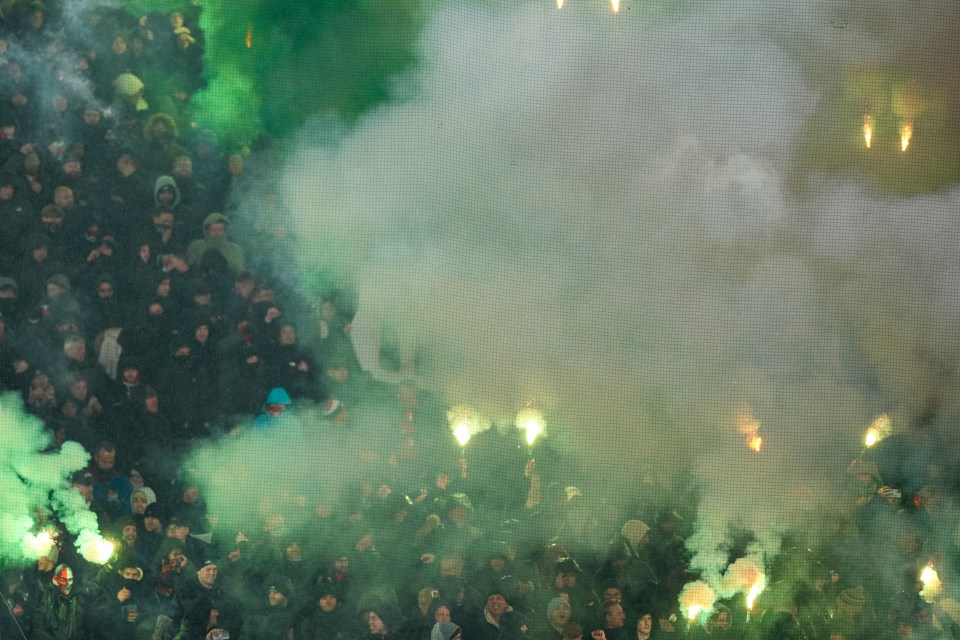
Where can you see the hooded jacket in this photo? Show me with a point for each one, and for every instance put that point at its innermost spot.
(234, 254)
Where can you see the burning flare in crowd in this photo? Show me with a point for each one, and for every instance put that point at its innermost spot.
(744, 576)
(931, 583)
(531, 422)
(749, 427)
(878, 430)
(615, 6)
(906, 133)
(697, 598)
(868, 130)
(465, 423)
(559, 4)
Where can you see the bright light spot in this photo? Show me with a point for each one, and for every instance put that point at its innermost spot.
(931, 584)
(756, 442)
(94, 548)
(559, 4)
(37, 545)
(249, 39)
(755, 591)
(868, 129)
(615, 6)
(693, 612)
(879, 429)
(906, 132)
(462, 433)
(531, 422)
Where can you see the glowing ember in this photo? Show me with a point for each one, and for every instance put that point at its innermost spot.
(755, 442)
(615, 6)
(249, 38)
(868, 129)
(559, 4)
(931, 583)
(745, 576)
(906, 132)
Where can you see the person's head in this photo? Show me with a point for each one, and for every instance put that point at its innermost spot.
(496, 604)
(151, 518)
(79, 389)
(612, 593)
(327, 602)
(105, 289)
(63, 197)
(287, 334)
(119, 45)
(571, 630)
(91, 116)
(558, 612)
(376, 624)
(130, 374)
(163, 218)
(75, 348)
(235, 164)
(276, 597)
(183, 167)
(645, 624)
(425, 598)
(139, 502)
(129, 532)
(176, 20)
(51, 217)
(207, 574)
(720, 619)
(106, 456)
(613, 614)
(441, 613)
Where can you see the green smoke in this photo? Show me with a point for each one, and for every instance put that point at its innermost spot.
(270, 66)
(34, 484)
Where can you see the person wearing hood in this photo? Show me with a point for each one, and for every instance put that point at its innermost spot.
(204, 606)
(121, 607)
(277, 617)
(161, 135)
(382, 623)
(445, 631)
(59, 607)
(167, 197)
(215, 238)
(328, 620)
(274, 410)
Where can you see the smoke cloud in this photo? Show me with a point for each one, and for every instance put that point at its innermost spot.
(655, 223)
(35, 486)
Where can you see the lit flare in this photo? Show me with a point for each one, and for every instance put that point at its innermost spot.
(249, 39)
(868, 130)
(878, 430)
(755, 442)
(559, 4)
(906, 133)
(931, 583)
(531, 422)
(615, 6)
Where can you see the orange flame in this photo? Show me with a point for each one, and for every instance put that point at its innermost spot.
(868, 129)
(906, 132)
(249, 38)
(615, 6)
(755, 442)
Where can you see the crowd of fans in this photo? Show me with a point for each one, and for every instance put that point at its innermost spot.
(130, 323)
